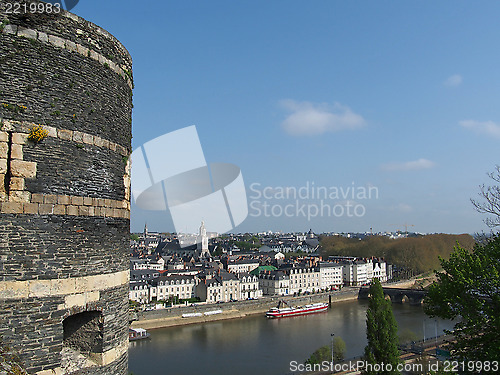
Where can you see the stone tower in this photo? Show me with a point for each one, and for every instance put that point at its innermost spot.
(202, 242)
(64, 200)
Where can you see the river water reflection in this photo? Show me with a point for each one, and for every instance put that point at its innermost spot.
(256, 345)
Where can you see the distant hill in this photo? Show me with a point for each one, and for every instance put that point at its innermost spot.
(420, 254)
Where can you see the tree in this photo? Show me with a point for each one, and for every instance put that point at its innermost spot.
(338, 349)
(320, 355)
(490, 200)
(381, 332)
(325, 352)
(469, 288)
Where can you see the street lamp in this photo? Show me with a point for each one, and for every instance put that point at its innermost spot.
(423, 323)
(333, 334)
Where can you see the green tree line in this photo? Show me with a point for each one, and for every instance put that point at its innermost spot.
(419, 254)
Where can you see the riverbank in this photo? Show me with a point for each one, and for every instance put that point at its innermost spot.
(172, 317)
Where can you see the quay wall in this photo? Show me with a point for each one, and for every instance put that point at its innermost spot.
(171, 317)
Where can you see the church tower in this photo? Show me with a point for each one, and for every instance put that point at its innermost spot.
(202, 242)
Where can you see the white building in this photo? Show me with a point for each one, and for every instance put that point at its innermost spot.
(139, 291)
(179, 286)
(362, 271)
(304, 279)
(244, 265)
(330, 275)
(249, 286)
(224, 287)
(380, 270)
(274, 283)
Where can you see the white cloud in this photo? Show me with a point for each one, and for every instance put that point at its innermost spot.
(409, 165)
(453, 81)
(308, 118)
(485, 127)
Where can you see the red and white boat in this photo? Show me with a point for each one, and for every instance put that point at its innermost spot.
(282, 312)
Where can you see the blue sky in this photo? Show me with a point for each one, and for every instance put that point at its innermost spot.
(401, 96)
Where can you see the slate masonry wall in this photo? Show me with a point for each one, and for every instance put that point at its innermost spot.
(64, 201)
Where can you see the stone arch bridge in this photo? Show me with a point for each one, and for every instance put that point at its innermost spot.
(414, 296)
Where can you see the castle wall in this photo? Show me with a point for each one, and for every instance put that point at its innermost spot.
(65, 201)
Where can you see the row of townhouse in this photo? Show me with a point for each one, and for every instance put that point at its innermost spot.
(295, 280)
(223, 287)
(325, 276)
(357, 272)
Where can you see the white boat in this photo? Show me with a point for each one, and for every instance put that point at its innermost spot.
(137, 334)
(282, 312)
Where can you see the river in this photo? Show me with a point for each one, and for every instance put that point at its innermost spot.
(256, 345)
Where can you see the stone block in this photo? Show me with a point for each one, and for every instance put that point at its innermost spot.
(77, 201)
(3, 166)
(74, 300)
(84, 51)
(108, 203)
(91, 211)
(4, 150)
(126, 181)
(19, 138)
(20, 168)
(88, 201)
(16, 152)
(20, 196)
(36, 198)
(121, 150)
(42, 37)
(2, 182)
(12, 207)
(101, 202)
(65, 134)
(83, 211)
(63, 199)
(8, 125)
(71, 46)
(94, 55)
(50, 199)
(52, 132)
(78, 136)
(46, 209)
(30, 208)
(88, 139)
(98, 141)
(105, 143)
(27, 33)
(102, 59)
(10, 29)
(4, 137)
(72, 210)
(56, 41)
(59, 209)
(16, 183)
(112, 146)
